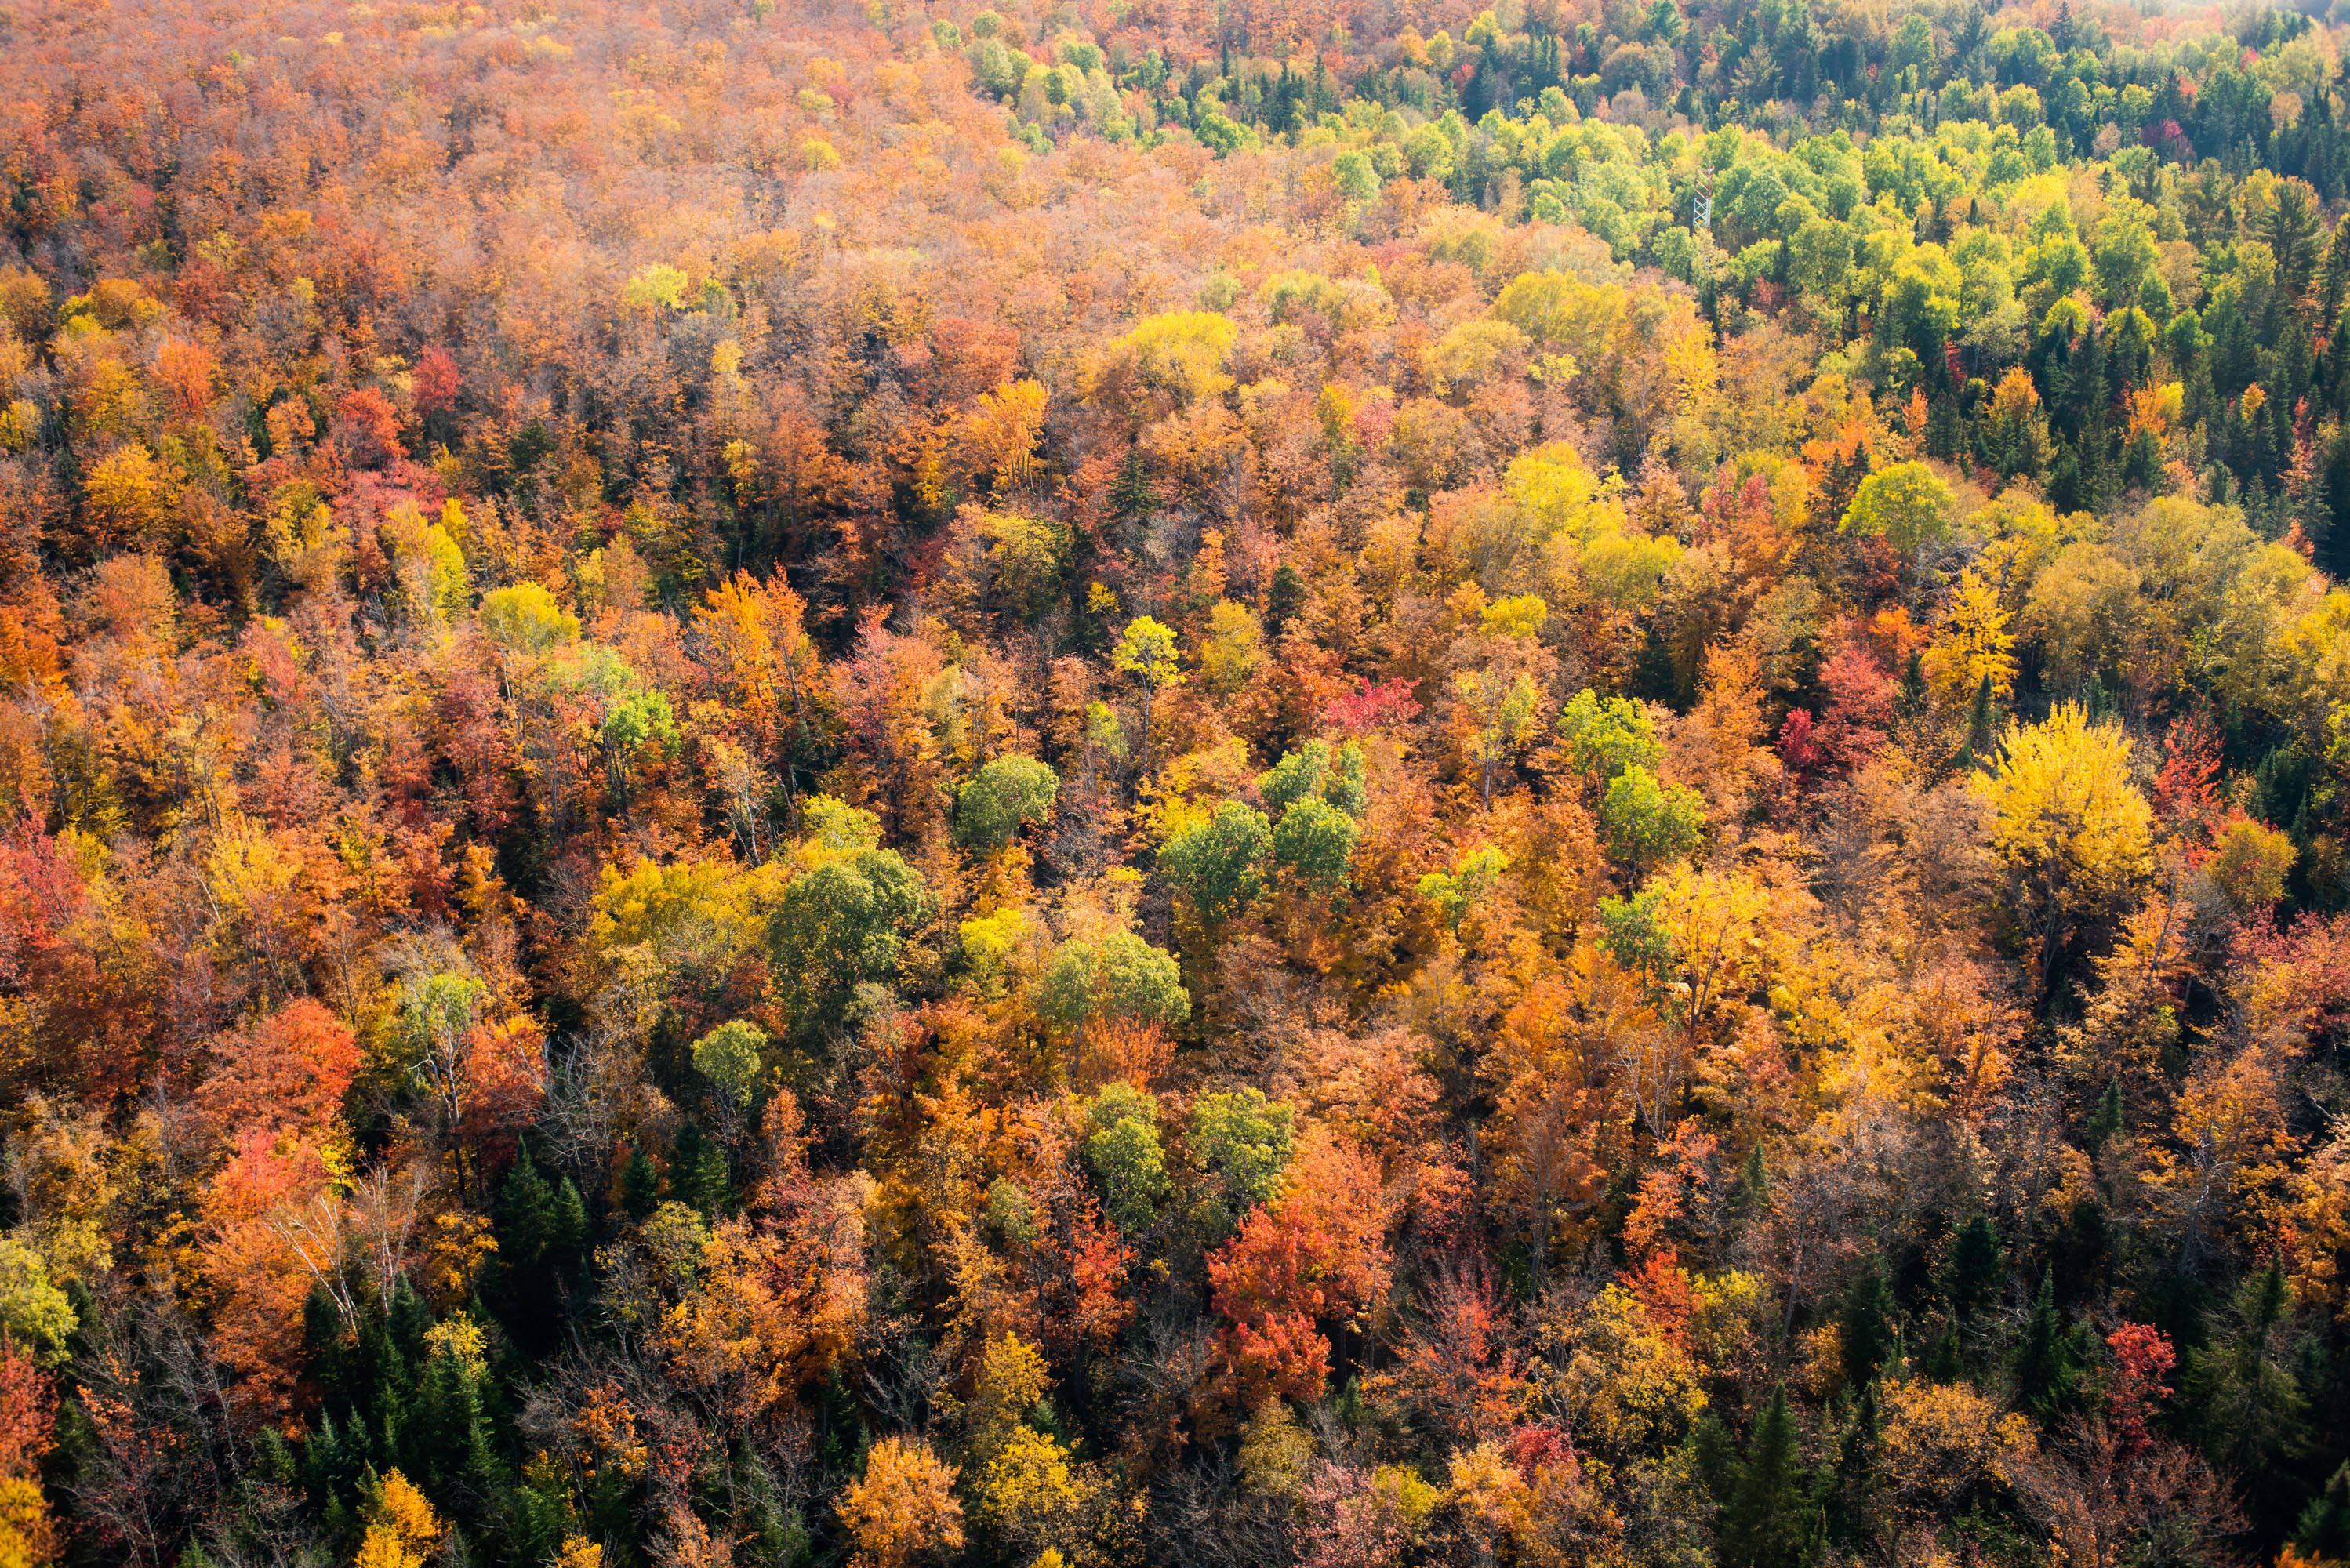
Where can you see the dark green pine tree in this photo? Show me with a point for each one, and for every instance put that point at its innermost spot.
(2064, 475)
(1976, 1266)
(364, 1375)
(1132, 494)
(1945, 1356)
(2048, 1370)
(1983, 723)
(338, 1516)
(2296, 373)
(2253, 1412)
(639, 1185)
(2105, 1120)
(1946, 429)
(701, 1176)
(2292, 228)
(1769, 1520)
(2324, 1530)
(1713, 1456)
(2334, 370)
(525, 1212)
(2334, 501)
(566, 1246)
(1912, 692)
(534, 1526)
(776, 1532)
(542, 1234)
(325, 1346)
(1285, 597)
(2334, 276)
(329, 1468)
(2082, 392)
(1867, 1325)
(447, 1437)
(1855, 1500)
(2100, 472)
(391, 1345)
(2142, 458)
(272, 1460)
(1753, 1187)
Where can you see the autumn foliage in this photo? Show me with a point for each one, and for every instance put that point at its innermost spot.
(1279, 782)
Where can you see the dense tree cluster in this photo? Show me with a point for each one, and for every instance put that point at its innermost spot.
(1350, 784)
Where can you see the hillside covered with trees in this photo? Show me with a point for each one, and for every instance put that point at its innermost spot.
(1327, 781)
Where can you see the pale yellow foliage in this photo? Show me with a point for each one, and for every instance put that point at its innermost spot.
(2065, 814)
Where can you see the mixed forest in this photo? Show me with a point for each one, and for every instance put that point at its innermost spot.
(1335, 781)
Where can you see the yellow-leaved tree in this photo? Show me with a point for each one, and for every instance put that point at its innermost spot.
(1974, 652)
(2071, 828)
(402, 1529)
(1002, 432)
(1167, 361)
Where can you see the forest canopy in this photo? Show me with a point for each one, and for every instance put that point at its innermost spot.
(1351, 783)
